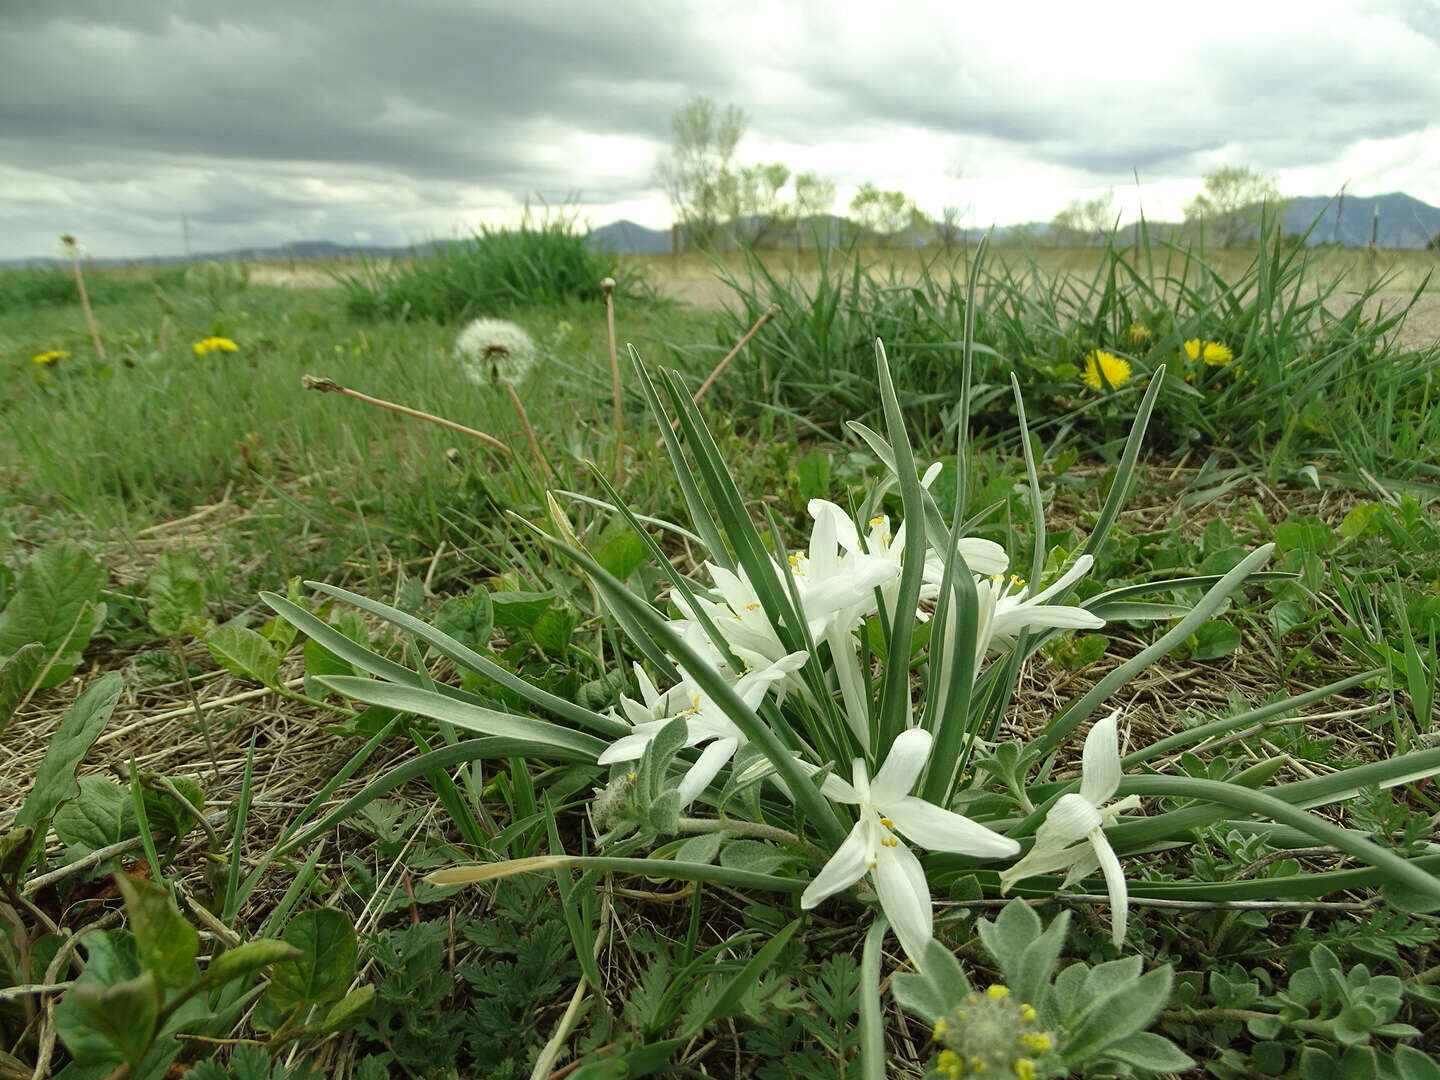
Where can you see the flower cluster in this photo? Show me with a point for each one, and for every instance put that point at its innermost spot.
(213, 344)
(49, 357)
(993, 1035)
(842, 578)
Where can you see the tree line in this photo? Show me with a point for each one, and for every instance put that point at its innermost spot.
(722, 202)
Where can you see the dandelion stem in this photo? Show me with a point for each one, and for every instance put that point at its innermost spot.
(608, 286)
(74, 249)
(316, 382)
(525, 424)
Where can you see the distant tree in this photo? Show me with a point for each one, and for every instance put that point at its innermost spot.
(1235, 201)
(814, 197)
(1085, 221)
(754, 203)
(886, 215)
(700, 168)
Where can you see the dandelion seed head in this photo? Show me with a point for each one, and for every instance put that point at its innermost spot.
(493, 350)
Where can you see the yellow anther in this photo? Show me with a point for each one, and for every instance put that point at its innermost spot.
(1025, 1069)
(1037, 1042)
(887, 823)
(996, 991)
(878, 519)
(752, 607)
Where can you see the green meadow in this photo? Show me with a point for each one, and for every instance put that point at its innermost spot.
(640, 740)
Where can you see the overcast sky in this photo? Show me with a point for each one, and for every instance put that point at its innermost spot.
(261, 122)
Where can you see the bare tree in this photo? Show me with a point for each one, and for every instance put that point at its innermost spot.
(701, 165)
(1085, 221)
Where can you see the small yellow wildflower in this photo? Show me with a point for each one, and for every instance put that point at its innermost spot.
(1212, 352)
(1027, 1013)
(950, 1065)
(997, 991)
(213, 344)
(1139, 334)
(1025, 1069)
(45, 359)
(1104, 371)
(1037, 1042)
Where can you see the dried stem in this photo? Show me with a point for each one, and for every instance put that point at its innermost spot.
(525, 424)
(316, 382)
(608, 286)
(769, 313)
(74, 249)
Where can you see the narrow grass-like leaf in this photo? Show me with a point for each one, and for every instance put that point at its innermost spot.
(872, 1023)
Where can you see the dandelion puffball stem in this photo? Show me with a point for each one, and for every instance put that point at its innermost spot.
(317, 382)
(607, 286)
(525, 426)
(74, 248)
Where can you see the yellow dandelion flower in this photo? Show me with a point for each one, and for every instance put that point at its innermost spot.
(1104, 371)
(1139, 334)
(214, 344)
(1212, 352)
(45, 359)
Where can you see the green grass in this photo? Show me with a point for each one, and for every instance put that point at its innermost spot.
(544, 261)
(322, 486)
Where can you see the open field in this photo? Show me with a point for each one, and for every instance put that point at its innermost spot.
(221, 813)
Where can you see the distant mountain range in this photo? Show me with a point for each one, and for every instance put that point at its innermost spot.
(1396, 220)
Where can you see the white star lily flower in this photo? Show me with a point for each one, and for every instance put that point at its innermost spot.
(1005, 610)
(705, 722)
(886, 806)
(1071, 837)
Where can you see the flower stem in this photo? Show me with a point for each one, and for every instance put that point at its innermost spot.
(525, 424)
(315, 382)
(749, 828)
(73, 248)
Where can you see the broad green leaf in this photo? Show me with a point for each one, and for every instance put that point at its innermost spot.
(622, 555)
(325, 967)
(1214, 640)
(1007, 938)
(1150, 1052)
(755, 856)
(519, 610)
(241, 651)
(166, 943)
(123, 1015)
(79, 728)
(468, 619)
(101, 815)
(175, 591)
(110, 959)
(54, 589)
(16, 675)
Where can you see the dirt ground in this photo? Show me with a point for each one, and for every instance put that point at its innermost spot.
(1421, 328)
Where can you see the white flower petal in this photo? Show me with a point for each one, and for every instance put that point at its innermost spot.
(1100, 761)
(843, 528)
(905, 898)
(712, 759)
(939, 829)
(1115, 883)
(983, 556)
(832, 787)
(625, 748)
(902, 767)
(847, 866)
(1072, 818)
(1048, 855)
(931, 473)
(823, 559)
(1075, 573)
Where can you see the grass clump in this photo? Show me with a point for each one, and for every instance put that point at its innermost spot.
(544, 261)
